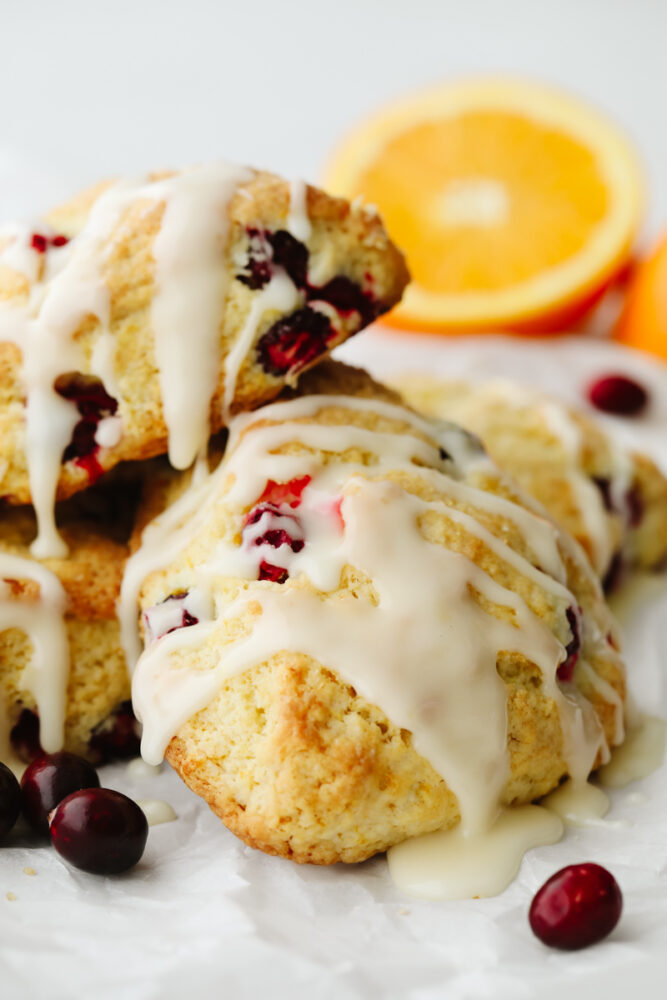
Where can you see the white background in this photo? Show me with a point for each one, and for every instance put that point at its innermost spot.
(90, 89)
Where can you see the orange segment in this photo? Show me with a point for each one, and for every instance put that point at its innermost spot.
(643, 321)
(513, 203)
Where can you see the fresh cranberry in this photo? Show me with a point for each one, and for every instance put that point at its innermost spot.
(94, 404)
(565, 671)
(294, 341)
(117, 738)
(99, 831)
(168, 616)
(618, 394)
(24, 736)
(59, 241)
(10, 800)
(577, 906)
(48, 780)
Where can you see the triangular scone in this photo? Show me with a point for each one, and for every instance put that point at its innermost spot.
(61, 660)
(613, 501)
(147, 312)
(355, 634)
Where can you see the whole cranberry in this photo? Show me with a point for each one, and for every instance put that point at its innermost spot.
(99, 831)
(48, 780)
(577, 906)
(10, 800)
(618, 394)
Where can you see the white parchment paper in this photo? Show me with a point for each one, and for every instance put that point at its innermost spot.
(204, 916)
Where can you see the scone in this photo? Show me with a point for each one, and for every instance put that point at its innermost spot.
(612, 501)
(356, 634)
(148, 311)
(63, 674)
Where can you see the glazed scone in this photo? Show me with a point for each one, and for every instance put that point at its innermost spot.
(147, 312)
(355, 634)
(612, 501)
(60, 653)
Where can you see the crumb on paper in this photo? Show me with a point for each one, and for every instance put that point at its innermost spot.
(404, 912)
(11, 897)
(29, 871)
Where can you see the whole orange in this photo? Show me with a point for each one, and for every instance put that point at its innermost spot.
(643, 320)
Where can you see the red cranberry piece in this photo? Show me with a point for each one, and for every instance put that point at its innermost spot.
(99, 831)
(290, 493)
(618, 394)
(93, 403)
(59, 241)
(346, 297)
(565, 671)
(168, 616)
(48, 780)
(576, 907)
(294, 341)
(614, 574)
(24, 736)
(274, 530)
(10, 800)
(291, 255)
(276, 574)
(117, 738)
(39, 242)
(258, 268)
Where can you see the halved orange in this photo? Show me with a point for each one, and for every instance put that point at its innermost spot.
(514, 204)
(643, 320)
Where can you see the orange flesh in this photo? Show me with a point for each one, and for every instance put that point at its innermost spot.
(486, 199)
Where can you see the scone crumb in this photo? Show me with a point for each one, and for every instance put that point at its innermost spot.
(11, 896)
(29, 871)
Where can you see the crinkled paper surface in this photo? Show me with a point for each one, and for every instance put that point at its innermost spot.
(203, 915)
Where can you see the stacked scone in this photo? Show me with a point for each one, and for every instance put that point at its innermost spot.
(133, 322)
(356, 628)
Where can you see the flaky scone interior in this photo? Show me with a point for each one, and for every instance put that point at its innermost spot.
(356, 632)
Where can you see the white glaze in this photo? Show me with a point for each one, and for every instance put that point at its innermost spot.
(46, 673)
(642, 753)
(189, 298)
(449, 865)
(139, 770)
(298, 223)
(578, 803)
(157, 811)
